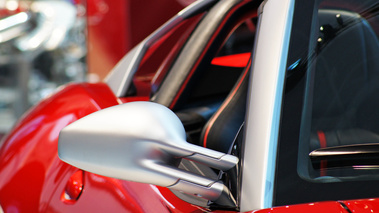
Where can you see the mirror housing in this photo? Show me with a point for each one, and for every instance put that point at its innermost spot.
(141, 142)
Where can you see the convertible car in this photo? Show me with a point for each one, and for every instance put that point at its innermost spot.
(231, 106)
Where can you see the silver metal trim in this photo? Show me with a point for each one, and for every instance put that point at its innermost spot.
(192, 51)
(264, 106)
(210, 192)
(13, 26)
(121, 76)
(145, 148)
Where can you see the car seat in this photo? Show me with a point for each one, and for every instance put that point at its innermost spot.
(346, 82)
(221, 129)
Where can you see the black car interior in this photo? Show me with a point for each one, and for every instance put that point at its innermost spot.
(222, 128)
(345, 81)
(342, 92)
(212, 106)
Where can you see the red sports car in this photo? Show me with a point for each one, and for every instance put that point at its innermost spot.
(232, 105)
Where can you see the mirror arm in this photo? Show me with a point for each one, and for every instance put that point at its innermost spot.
(143, 142)
(210, 192)
(211, 158)
(217, 192)
(191, 183)
(224, 163)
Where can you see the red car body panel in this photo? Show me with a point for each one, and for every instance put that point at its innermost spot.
(34, 179)
(325, 207)
(364, 206)
(31, 148)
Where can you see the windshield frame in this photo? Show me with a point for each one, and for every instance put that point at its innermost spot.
(264, 104)
(121, 76)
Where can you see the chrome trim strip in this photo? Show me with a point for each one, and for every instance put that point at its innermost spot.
(264, 106)
(121, 76)
(192, 51)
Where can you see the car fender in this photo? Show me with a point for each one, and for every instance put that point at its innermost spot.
(34, 179)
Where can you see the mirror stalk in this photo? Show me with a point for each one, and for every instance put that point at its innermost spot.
(142, 142)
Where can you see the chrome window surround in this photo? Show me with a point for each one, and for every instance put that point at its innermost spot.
(264, 104)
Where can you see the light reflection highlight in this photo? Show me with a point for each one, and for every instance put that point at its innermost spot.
(13, 20)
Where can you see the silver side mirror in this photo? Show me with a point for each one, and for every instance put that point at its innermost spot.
(141, 142)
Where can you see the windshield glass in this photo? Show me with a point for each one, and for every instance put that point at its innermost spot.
(342, 92)
(330, 104)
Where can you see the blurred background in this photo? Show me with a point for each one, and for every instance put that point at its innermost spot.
(47, 43)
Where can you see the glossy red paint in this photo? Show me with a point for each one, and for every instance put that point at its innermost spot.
(29, 165)
(104, 194)
(364, 206)
(73, 188)
(131, 99)
(361, 206)
(324, 207)
(34, 179)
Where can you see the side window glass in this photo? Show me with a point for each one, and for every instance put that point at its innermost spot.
(341, 94)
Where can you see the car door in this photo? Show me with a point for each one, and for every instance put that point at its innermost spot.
(193, 80)
(312, 60)
(206, 71)
(322, 104)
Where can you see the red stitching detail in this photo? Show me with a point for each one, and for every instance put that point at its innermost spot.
(224, 104)
(323, 163)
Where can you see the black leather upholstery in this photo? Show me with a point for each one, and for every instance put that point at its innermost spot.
(344, 137)
(221, 129)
